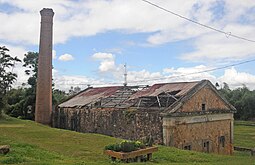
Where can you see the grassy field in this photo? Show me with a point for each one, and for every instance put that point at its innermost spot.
(32, 143)
(244, 134)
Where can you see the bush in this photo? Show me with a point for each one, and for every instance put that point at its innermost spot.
(139, 144)
(126, 146)
(113, 147)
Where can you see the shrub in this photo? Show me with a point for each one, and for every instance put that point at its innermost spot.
(126, 146)
(113, 147)
(139, 144)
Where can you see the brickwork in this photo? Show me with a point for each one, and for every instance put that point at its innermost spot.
(204, 96)
(205, 132)
(43, 108)
(122, 123)
(217, 133)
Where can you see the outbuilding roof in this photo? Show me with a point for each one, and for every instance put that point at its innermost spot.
(90, 95)
(176, 89)
(126, 96)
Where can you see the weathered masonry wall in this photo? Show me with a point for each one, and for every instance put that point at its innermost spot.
(205, 133)
(204, 96)
(129, 124)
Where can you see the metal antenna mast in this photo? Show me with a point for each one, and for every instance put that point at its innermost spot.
(125, 74)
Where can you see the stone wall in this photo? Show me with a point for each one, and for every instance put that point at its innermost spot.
(197, 134)
(195, 131)
(129, 123)
(204, 96)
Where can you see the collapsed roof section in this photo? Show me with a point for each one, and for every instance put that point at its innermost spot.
(157, 95)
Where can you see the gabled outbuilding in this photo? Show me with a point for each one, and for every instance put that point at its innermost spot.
(186, 115)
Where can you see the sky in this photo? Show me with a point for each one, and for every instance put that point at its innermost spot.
(93, 39)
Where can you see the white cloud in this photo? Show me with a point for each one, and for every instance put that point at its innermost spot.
(143, 77)
(231, 76)
(66, 57)
(54, 54)
(182, 74)
(106, 66)
(218, 47)
(107, 62)
(237, 79)
(189, 73)
(196, 73)
(20, 28)
(102, 56)
(64, 82)
(93, 16)
(86, 18)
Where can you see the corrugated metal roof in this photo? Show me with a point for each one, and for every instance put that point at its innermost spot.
(92, 95)
(180, 89)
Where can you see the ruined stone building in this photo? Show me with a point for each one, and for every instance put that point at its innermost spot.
(186, 115)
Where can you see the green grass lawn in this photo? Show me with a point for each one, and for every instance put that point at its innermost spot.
(244, 135)
(32, 143)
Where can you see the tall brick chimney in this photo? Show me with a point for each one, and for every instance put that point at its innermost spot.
(43, 108)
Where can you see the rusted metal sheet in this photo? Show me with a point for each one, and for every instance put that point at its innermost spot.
(121, 96)
(181, 88)
(90, 95)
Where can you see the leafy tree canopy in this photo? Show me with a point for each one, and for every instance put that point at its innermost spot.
(21, 102)
(242, 99)
(7, 77)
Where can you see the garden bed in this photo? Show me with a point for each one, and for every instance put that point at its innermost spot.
(136, 156)
(131, 151)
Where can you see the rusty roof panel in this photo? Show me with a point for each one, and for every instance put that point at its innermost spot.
(90, 95)
(181, 88)
(119, 95)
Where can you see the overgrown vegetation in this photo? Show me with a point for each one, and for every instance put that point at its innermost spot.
(33, 143)
(7, 77)
(126, 146)
(242, 99)
(20, 102)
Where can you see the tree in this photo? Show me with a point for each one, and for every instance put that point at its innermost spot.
(74, 90)
(7, 77)
(15, 102)
(242, 99)
(58, 96)
(24, 104)
(31, 63)
(24, 107)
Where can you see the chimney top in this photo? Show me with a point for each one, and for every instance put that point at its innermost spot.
(47, 12)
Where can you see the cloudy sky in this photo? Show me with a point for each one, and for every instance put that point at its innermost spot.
(93, 39)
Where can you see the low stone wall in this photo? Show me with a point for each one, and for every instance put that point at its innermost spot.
(243, 149)
(132, 124)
